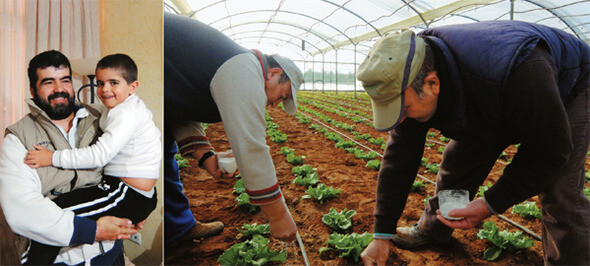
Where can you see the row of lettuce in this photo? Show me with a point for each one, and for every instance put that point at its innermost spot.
(255, 251)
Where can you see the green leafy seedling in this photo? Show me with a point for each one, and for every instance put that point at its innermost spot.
(182, 162)
(251, 252)
(321, 193)
(374, 164)
(513, 242)
(244, 201)
(307, 180)
(239, 187)
(348, 246)
(527, 209)
(250, 230)
(483, 189)
(338, 221)
(418, 185)
(287, 150)
(444, 139)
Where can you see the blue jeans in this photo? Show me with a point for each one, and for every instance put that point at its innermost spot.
(178, 218)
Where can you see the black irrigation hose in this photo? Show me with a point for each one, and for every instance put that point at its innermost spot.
(528, 231)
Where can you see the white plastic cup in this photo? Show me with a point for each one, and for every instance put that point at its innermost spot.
(452, 199)
(227, 162)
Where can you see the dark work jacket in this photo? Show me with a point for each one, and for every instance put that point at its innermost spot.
(478, 105)
(193, 52)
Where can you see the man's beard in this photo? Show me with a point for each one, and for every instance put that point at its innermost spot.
(60, 111)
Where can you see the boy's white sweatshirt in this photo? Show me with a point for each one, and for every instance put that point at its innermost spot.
(129, 147)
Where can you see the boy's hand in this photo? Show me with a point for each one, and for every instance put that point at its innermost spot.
(39, 158)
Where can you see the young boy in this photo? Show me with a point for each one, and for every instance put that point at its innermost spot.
(129, 149)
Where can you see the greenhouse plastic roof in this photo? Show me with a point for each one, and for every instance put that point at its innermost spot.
(311, 30)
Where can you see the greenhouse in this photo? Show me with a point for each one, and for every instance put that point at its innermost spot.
(329, 37)
(328, 156)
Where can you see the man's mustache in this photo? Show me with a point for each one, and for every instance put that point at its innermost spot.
(58, 94)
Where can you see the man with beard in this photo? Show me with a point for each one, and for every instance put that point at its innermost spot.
(55, 122)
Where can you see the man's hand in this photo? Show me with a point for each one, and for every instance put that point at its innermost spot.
(282, 226)
(475, 212)
(212, 165)
(377, 252)
(39, 157)
(113, 228)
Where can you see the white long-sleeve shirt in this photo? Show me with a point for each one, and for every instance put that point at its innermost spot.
(32, 215)
(129, 147)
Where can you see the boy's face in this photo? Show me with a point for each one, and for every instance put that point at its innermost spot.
(113, 89)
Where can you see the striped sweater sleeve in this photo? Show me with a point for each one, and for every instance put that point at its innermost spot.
(191, 137)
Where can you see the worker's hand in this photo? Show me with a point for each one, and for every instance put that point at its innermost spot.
(475, 212)
(113, 228)
(39, 157)
(282, 226)
(212, 165)
(377, 252)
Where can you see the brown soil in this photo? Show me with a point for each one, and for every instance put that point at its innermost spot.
(212, 200)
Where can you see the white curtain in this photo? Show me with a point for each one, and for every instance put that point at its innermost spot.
(13, 81)
(29, 27)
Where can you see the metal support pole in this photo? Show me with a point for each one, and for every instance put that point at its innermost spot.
(511, 9)
(323, 70)
(355, 66)
(336, 69)
(313, 72)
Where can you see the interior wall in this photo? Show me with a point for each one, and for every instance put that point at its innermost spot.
(134, 27)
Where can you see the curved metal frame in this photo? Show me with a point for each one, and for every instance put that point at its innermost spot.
(331, 43)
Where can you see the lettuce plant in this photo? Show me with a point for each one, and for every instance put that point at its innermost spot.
(182, 162)
(286, 150)
(345, 144)
(423, 161)
(527, 209)
(322, 193)
(483, 189)
(418, 185)
(349, 246)
(244, 200)
(338, 221)
(307, 180)
(250, 230)
(295, 160)
(433, 168)
(359, 154)
(239, 187)
(504, 240)
(303, 170)
(251, 252)
(444, 139)
(377, 141)
(374, 164)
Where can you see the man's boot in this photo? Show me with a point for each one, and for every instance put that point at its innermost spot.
(205, 229)
(198, 231)
(412, 237)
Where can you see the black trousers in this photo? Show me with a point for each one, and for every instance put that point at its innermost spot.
(111, 197)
